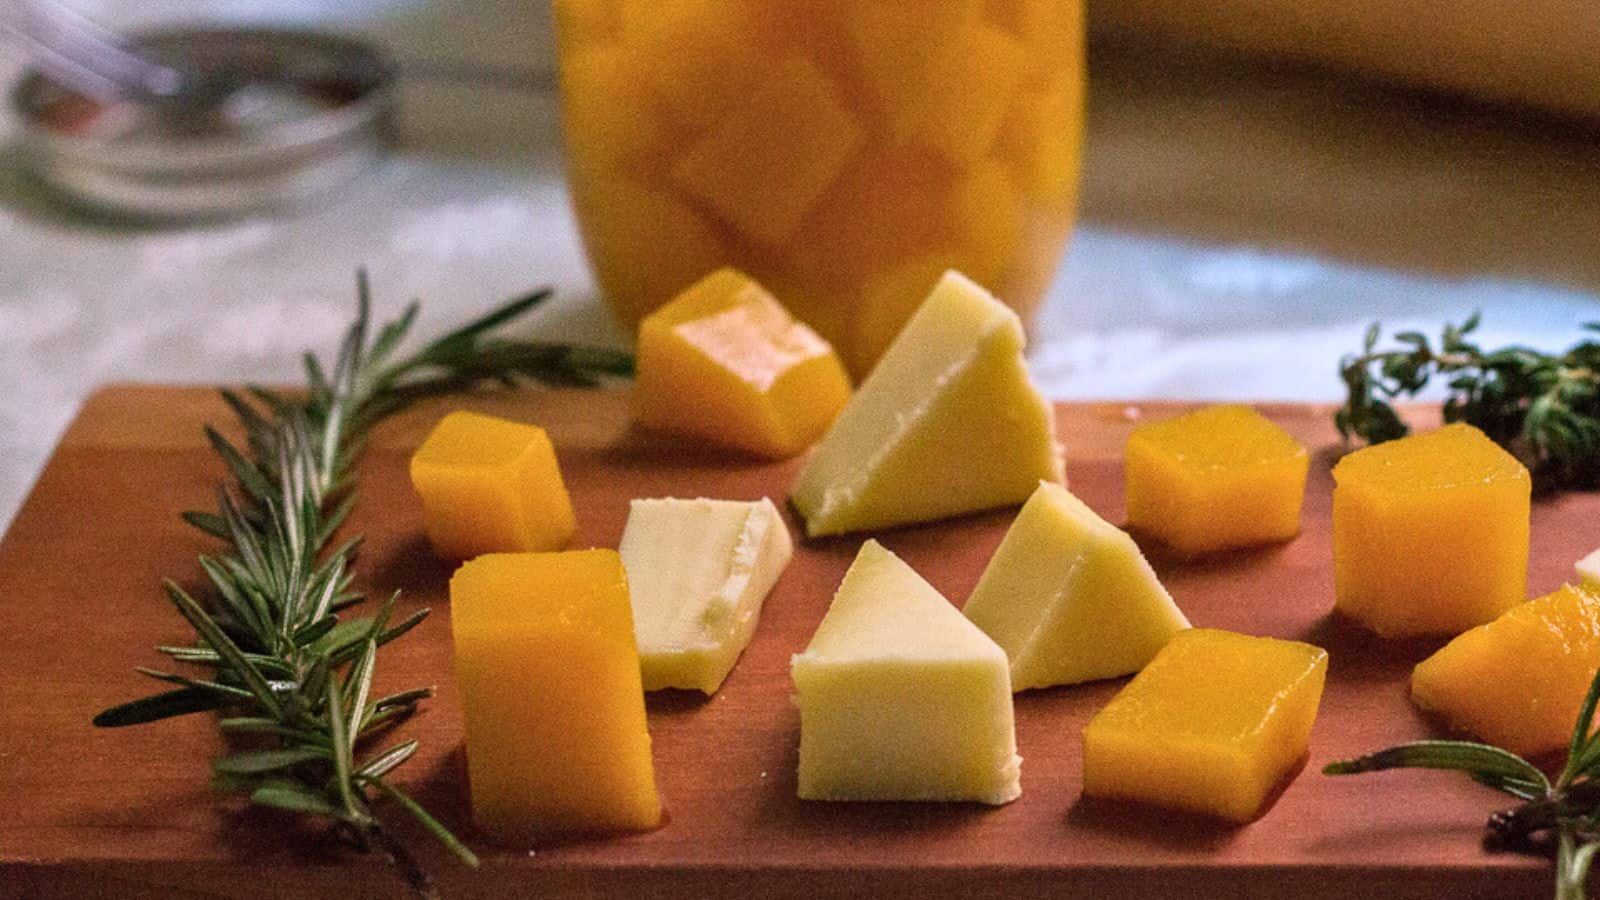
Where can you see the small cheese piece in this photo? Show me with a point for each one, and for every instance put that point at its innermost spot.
(947, 423)
(490, 485)
(901, 698)
(724, 362)
(1430, 533)
(1070, 598)
(1212, 725)
(1518, 681)
(1215, 479)
(698, 571)
(549, 679)
(1588, 570)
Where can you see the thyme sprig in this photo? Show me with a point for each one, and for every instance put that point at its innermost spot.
(292, 674)
(1543, 407)
(1559, 818)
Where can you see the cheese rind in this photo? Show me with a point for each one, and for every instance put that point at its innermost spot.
(1211, 725)
(901, 698)
(698, 572)
(1070, 598)
(1588, 570)
(947, 423)
(549, 680)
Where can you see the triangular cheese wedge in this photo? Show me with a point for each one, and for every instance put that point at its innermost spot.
(698, 572)
(947, 423)
(1070, 598)
(902, 698)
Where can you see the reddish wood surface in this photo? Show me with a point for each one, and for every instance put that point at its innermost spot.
(129, 813)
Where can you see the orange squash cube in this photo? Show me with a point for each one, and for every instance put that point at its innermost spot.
(697, 55)
(550, 691)
(725, 362)
(1211, 725)
(490, 485)
(644, 257)
(583, 22)
(1219, 478)
(1045, 160)
(779, 146)
(1518, 681)
(1430, 533)
(960, 114)
(616, 126)
(989, 208)
(897, 69)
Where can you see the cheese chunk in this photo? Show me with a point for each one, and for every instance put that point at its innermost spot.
(1070, 598)
(947, 423)
(1588, 570)
(725, 363)
(1518, 681)
(1430, 533)
(1212, 725)
(901, 698)
(549, 679)
(698, 571)
(490, 485)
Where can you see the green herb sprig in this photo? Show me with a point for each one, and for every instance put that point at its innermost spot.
(293, 676)
(1559, 818)
(1543, 407)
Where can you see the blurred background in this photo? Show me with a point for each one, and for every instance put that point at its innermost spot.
(1261, 179)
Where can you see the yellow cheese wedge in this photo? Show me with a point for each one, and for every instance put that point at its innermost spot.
(549, 678)
(1070, 598)
(1212, 725)
(698, 571)
(901, 698)
(1588, 569)
(947, 423)
(490, 485)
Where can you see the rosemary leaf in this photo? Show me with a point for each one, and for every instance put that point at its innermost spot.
(282, 664)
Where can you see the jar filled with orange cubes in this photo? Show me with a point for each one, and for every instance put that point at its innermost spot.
(843, 152)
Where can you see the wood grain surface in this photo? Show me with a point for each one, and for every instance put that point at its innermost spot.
(129, 813)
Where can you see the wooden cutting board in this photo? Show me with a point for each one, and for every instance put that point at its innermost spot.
(129, 813)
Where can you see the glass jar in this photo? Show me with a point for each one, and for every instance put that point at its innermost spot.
(842, 152)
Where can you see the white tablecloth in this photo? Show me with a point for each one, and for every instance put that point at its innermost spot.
(1242, 225)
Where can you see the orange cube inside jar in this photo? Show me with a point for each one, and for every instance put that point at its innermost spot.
(726, 362)
(548, 670)
(1215, 479)
(490, 485)
(774, 136)
(1518, 681)
(1430, 533)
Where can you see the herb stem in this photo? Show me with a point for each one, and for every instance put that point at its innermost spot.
(285, 665)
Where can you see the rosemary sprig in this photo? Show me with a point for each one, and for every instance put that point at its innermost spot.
(1543, 407)
(1559, 818)
(293, 677)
